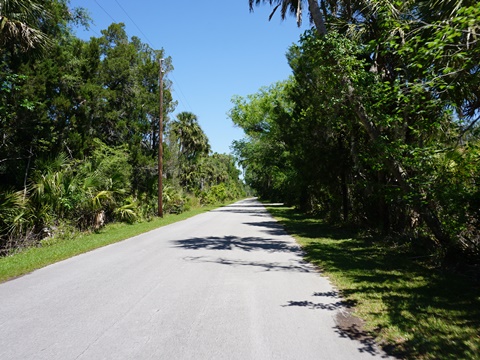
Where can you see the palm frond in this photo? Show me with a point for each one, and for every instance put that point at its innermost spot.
(20, 21)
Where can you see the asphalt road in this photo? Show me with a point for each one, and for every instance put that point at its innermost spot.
(227, 284)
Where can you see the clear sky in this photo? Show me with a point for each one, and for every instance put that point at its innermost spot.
(218, 49)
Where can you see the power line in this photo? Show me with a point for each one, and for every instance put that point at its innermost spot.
(96, 33)
(150, 43)
(179, 92)
(106, 12)
(146, 38)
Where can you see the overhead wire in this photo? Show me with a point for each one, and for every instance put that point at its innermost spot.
(105, 11)
(145, 36)
(180, 92)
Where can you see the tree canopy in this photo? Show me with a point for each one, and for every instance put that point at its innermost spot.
(379, 124)
(79, 126)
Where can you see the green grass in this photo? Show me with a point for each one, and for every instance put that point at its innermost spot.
(50, 252)
(412, 309)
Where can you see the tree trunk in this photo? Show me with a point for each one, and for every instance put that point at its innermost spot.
(345, 201)
(317, 17)
(425, 209)
(26, 173)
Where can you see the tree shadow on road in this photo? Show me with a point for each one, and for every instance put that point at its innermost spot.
(235, 242)
(296, 266)
(243, 210)
(347, 325)
(270, 227)
(315, 306)
(249, 206)
(330, 304)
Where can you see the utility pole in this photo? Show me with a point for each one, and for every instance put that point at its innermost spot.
(160, 143)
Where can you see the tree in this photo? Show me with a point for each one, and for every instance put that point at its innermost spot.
(78, 94)
(263, 154)
(191, 144)
(191, 139)
(79, 129)
(24, 122)
(390, 34)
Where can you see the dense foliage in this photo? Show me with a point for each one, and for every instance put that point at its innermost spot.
(378, 125)
(79, 129)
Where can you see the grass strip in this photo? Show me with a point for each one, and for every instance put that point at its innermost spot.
(414, 310)
(34, 258)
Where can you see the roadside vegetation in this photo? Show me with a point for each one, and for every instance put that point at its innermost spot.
(378, 127)
(413, 307)
(68, 244)
(374, 145)
(79, 125)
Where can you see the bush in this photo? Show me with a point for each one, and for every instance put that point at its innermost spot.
(173, 200)
(216, 194)
(128, 212)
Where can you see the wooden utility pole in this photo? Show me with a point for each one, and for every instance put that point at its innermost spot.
(160, 143)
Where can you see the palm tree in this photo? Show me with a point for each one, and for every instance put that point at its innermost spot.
(191, 145)
(295, 7)
(19, 24)
(190, 137)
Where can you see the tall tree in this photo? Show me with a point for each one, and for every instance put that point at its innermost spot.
(420, 198)
(27, 130)
(191, 144)
(389, 25)
(192, 140)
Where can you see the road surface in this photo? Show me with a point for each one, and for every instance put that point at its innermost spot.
(227, 284)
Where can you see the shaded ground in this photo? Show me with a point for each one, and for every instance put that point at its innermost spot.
(419, 311)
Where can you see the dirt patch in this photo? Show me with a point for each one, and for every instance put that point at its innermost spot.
(352, 327)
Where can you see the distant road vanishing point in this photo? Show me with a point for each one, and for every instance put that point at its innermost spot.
(227, 284)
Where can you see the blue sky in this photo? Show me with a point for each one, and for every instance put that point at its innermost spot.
(218, 48)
